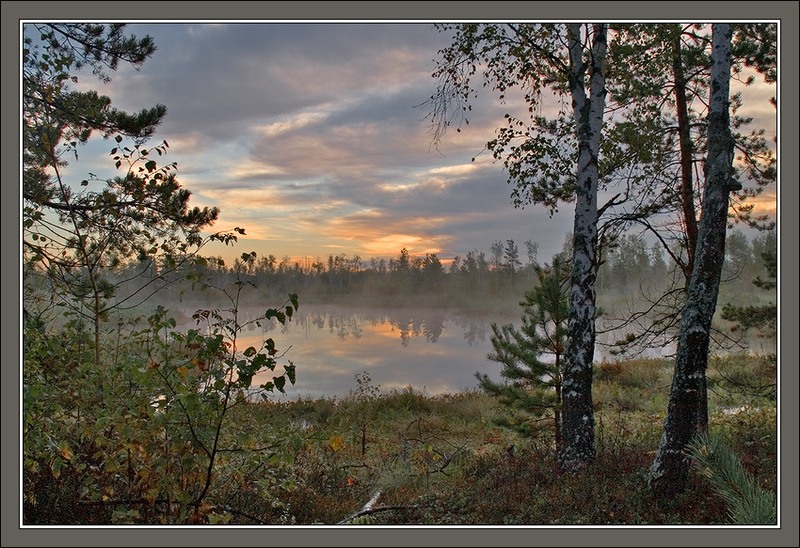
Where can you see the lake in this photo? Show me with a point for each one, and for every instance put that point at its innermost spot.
(431, 351)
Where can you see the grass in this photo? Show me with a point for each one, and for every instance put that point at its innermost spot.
(444, 460)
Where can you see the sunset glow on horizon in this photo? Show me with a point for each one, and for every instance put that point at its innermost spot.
(314, 138)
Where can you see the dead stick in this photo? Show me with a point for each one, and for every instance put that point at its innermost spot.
(364, 509)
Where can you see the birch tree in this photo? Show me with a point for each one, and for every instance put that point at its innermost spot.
(661, 74)
(557, 160)
(578, 420)
(687, 413)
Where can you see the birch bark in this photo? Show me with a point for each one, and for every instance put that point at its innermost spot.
(578, 447)
(687, 412)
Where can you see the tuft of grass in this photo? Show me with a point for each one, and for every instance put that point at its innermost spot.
(743, 379)
(644, 373)
(632, 386)
(406, 400)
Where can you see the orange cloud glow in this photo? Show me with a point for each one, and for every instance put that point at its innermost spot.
(293, 123)
(765, 204)
(391, 244)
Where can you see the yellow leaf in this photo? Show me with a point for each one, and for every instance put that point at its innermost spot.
(64, 450)
(335, 442)
(150, 495)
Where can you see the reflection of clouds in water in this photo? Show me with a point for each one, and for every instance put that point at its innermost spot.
(347, 323)
(438, 351)
(430, 350)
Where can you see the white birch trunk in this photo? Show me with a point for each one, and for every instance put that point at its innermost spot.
(578, 413)
(687, 413)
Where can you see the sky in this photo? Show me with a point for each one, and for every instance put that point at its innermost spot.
(315, 138)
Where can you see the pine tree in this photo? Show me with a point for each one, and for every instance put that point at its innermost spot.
(762, 317)
(532, 387)
(77, 230)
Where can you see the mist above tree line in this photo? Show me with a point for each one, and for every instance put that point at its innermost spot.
(632, 273)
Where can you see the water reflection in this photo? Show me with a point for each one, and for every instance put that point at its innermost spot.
(433, 351)
(347, 323)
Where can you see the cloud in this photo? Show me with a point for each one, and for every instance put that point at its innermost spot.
(230, 75)
(315, 137)
(290, 124)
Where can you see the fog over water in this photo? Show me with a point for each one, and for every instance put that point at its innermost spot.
(430, 350)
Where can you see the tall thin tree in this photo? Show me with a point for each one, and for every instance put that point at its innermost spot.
(578, 412)
(558, 160)
(687, 414)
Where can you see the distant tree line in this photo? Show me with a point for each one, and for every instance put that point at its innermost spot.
(630, 269)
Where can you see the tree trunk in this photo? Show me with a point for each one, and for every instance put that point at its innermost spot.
(687, 178)
(557, 417)
(687, 413)
(578, 446)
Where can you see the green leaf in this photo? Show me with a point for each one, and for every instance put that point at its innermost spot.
(269, 344)
(261, 361)
(280, 382)
(290, 372)
(213, 343)
(275, 313)
(118, 138)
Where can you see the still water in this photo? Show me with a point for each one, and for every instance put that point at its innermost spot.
(431, 351)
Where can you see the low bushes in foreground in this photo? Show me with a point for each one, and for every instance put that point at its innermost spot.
(406, 458)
